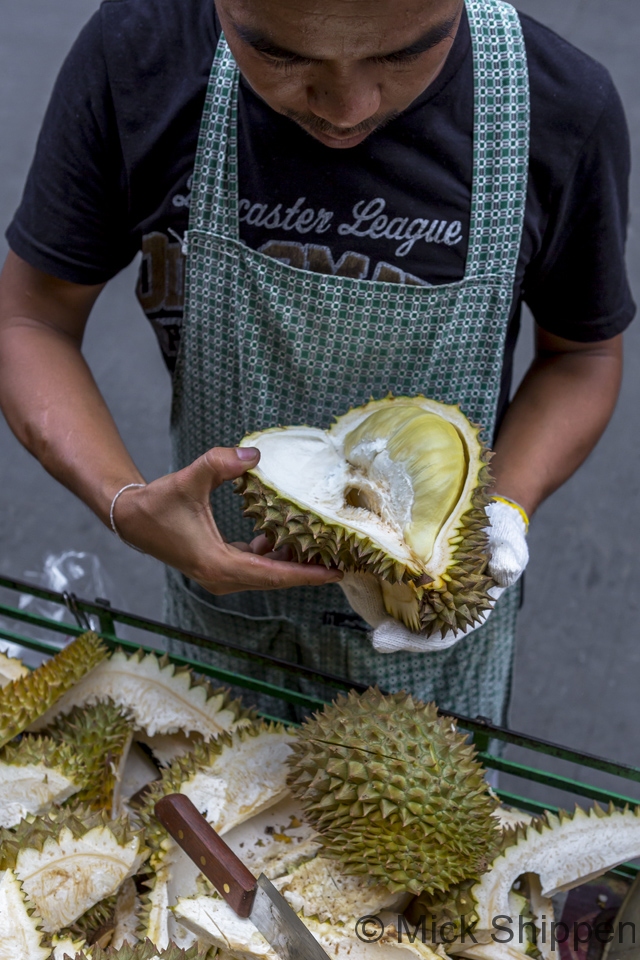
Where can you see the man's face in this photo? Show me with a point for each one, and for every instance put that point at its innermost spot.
(340, 68)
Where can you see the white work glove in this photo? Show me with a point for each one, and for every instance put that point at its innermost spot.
(509, 556)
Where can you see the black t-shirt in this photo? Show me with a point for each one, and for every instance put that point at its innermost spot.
(113, 167)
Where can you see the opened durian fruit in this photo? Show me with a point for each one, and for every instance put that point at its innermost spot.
(396, 489)
(376, 806)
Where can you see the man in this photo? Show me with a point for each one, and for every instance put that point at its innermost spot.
(371, 203)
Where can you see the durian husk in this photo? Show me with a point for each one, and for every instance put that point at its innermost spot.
(457, 906)
(101, 735)
(11, 669)
(451, 907)
(25, 700)
(395, 792)
(216, 923)
(449, 602)
(35, 773)
(70, 860)
(320, 888)
(563, 851)
(146, 951)
(21, 936)
(230, 779)
(167, 747)
(126, 915)
(94, 920)
(66, 948)
(173, 874)
(160, 697)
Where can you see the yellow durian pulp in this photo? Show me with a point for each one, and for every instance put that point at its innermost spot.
(432, 455)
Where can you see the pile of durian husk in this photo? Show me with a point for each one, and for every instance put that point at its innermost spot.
(377, 806)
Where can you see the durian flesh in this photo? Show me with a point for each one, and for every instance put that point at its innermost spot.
(20, 934)
(216, 923)
(396, 488)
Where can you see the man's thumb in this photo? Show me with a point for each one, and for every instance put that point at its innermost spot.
(224, 463)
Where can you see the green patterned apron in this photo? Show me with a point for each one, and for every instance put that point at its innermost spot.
(264, 343)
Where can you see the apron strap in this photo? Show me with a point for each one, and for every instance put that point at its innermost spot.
(501, 139)
(215, 183)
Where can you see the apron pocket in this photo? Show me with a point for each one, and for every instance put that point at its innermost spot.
(195, 610)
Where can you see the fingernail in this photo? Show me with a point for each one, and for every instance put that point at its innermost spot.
(247, 453)
(336, 578)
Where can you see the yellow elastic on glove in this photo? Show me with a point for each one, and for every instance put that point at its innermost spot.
(516, 506)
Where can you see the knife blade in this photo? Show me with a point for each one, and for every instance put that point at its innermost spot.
(257, 900)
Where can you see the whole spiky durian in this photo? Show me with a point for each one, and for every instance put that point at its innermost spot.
(396, 490)
(394, 791)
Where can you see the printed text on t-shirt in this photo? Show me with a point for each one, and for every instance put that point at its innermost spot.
(368, 220)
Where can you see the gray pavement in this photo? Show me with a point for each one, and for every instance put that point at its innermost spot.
(578, 663)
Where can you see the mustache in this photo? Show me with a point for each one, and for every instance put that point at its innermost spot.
(315, 124)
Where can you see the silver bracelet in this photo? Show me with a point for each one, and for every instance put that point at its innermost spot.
(128, 486)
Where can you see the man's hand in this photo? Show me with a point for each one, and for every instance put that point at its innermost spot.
(363, 592)
(54, 407)
(171, 519)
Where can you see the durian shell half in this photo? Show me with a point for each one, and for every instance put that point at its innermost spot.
(450, 591)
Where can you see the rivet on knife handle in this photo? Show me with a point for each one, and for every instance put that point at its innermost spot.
(217, 861)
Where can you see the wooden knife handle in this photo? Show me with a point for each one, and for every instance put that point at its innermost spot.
(216, 860)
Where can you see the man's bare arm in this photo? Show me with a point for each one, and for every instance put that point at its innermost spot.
(55, 409)
(557, 416)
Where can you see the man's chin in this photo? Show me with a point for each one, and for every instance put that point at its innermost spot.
(342, 142)
(336, 139)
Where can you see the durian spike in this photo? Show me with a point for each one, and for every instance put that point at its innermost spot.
(97, 917)
(35, 773)
(20, 934)
(66, 948)
(160, 697)
(449, 907)
(145, 951)
(101, 736)
(24, 700)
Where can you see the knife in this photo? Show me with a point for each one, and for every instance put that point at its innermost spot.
(248, 898)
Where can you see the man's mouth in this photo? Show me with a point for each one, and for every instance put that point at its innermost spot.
(333, 136)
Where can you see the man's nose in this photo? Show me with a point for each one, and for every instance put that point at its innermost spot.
(344, 97)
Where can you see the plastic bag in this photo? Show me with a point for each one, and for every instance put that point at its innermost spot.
(73, 571)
